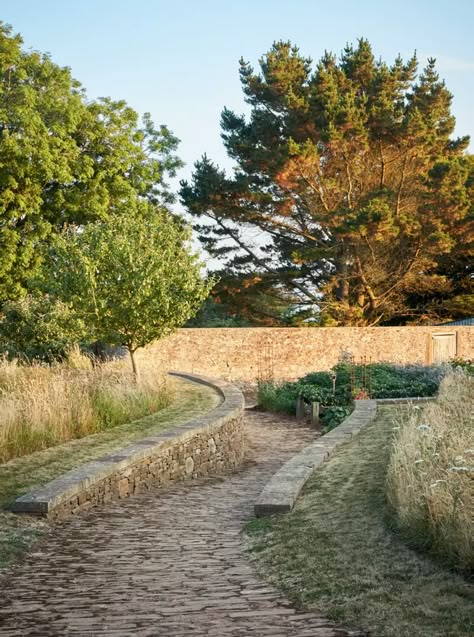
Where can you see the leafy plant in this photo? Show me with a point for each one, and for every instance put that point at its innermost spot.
(277, 398)
(382, 380)
(467, 364)
(333, 416)
(66, 160)
(38, 328)
(129, 280)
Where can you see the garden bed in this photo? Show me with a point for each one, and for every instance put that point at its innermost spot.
(335, 391)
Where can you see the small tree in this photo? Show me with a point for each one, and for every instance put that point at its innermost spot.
(131, 280)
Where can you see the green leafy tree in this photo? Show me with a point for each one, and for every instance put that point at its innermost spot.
(130, 283)
(348, 186)
(38, 328)
(65, 160)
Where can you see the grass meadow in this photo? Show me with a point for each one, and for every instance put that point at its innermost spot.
(42, 406)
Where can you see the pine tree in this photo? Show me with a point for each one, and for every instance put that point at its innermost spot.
(348, 185)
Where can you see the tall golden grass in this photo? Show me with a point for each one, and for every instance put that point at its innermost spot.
(431, 473)
(42, 406)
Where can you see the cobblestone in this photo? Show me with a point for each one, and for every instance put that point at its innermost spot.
(165, 563)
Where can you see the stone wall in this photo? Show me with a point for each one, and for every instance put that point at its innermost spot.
(246, 354)
(210, 444)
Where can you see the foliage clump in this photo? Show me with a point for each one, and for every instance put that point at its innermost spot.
(66, 160)
(129, 280)
(38, 328)
(387, 381)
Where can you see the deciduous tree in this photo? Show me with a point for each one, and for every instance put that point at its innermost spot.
(130, 283)
(65, 160)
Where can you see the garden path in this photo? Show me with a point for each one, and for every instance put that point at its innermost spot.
(166, 563)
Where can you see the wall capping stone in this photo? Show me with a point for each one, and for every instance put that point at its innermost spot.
(281, 492)
(207, 444)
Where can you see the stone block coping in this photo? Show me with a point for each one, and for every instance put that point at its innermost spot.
(43, 500)
(281, 492)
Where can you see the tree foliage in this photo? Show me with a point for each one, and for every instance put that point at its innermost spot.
(250, 300)
(348, 187)
(65, 160)
(130, 283)
(38, 328)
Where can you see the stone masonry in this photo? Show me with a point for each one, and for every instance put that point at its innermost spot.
(208, 445)
(204, 454)
(167, 563)
(247, 354)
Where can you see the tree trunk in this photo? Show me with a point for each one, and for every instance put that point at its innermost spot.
(136, 372)
(342, 288)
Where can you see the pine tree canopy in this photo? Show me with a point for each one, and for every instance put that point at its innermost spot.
(348, 188)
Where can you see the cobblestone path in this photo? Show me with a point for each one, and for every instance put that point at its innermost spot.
(167, 563)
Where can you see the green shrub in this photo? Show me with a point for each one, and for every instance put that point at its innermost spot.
(384, 381)
(393, 381)
(333, 416)
(37, 328)
(277, 398)
(467, 364)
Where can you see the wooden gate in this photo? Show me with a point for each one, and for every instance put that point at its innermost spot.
(444, 347)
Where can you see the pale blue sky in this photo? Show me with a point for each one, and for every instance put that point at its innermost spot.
(179, 60)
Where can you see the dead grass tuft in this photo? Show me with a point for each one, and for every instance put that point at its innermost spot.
(43, 406)
(430, 481)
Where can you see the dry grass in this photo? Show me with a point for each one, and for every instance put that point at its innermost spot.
(20, 475)
(335, 553)
(431, 473)
(42, 406)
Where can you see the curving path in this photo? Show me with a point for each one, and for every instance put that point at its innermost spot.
(167, 563)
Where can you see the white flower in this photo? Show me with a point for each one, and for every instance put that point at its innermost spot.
(424, 428)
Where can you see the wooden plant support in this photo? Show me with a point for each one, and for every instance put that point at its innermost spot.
(315, 414)
(299, 409)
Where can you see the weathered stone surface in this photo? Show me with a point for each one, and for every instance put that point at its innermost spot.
(167, 563)
(189, 465)
(281, 492)
(246, 354)
(154, 461)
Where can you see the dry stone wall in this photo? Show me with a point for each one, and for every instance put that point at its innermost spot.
(247, 354)
(210, 444)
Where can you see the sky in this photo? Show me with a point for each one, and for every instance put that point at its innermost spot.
(179, 60)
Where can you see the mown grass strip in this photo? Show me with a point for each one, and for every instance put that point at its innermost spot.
(24, 474)
(336, 552)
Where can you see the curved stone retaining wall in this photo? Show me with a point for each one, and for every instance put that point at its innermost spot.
(281, 492)
(209, 444)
